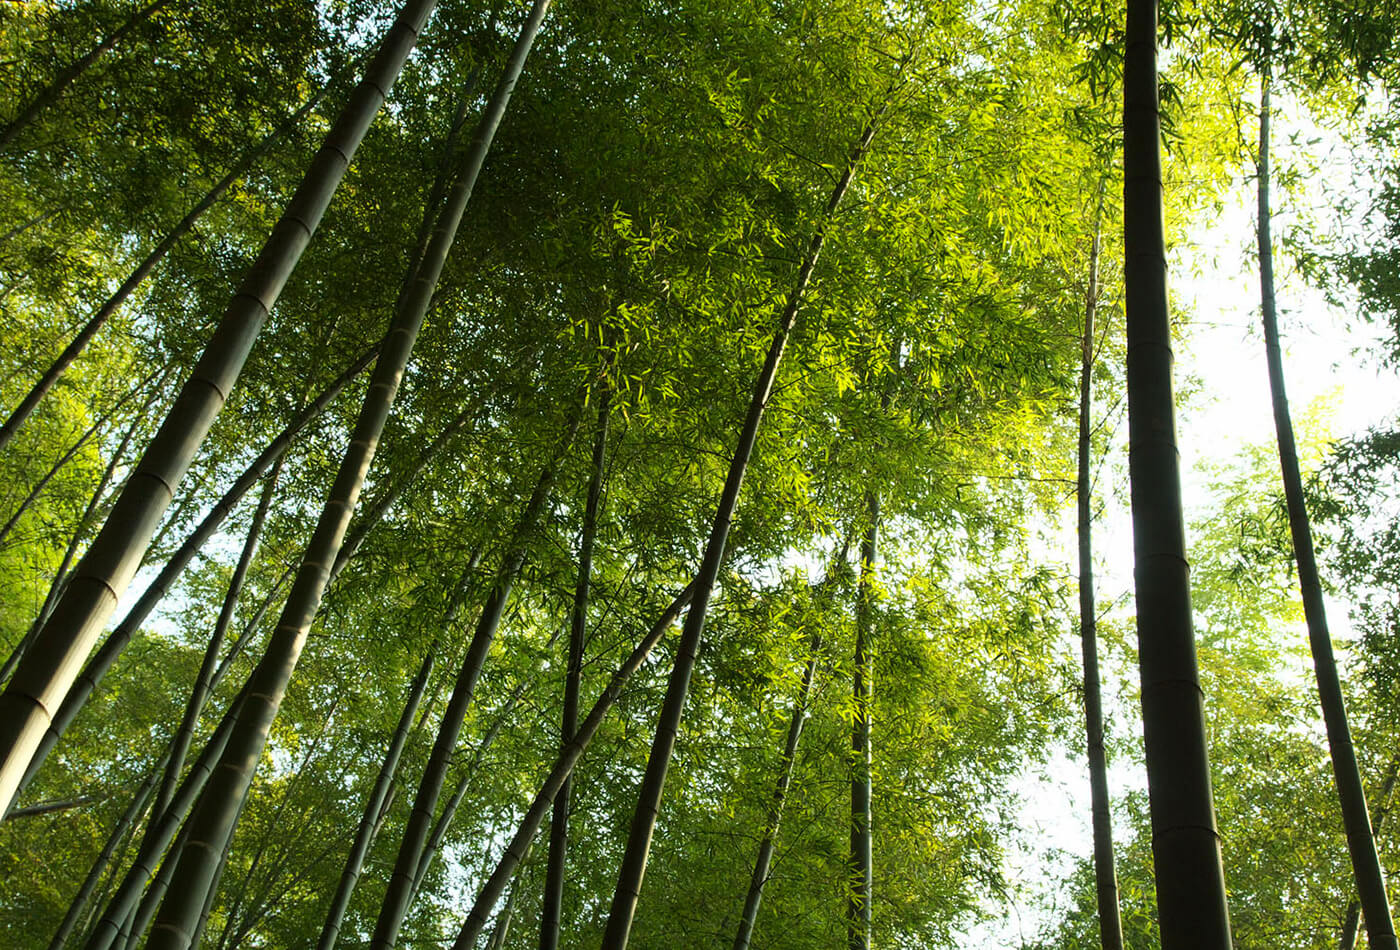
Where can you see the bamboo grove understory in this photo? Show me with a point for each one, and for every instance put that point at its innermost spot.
(513, 474)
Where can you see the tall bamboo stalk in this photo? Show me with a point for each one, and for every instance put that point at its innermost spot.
(861, 881)
(552, 903)
(223, 798)
(634, 860)
(203, 683)
(50, 666)
(1105, 874)
(1190, 876)
(1361, 843)
(122, 635)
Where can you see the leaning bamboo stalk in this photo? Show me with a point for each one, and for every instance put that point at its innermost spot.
(519, 846)
(122, 635)
(374, 810)
(128, 895)
(101, 578)
(203, 683)
(634, 860)
(83, 897)
(1351, 793)
(225, 794)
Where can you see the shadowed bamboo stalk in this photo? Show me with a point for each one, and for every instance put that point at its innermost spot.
(123, 903)
(121, 636)
(78, 906)
(764, 859)
(47, 672)
(203, 683)
(1361, 843)
(861, 879)
(400, 890)
(1190, 876)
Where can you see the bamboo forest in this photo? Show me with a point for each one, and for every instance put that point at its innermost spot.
(699, 473)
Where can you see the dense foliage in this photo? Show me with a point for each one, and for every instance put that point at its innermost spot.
(646, 213)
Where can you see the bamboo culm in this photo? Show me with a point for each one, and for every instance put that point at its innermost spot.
(121, 636)
(203, 684)
(862, 876)
(1361, 843)
(1351, 922)
(48, 669)
(633, 868)
(374, 810)
(1105, 873)
(519, 846)
(1190, 876)
(764, 860)
(553, 900)
(223, 797)
(400, 889)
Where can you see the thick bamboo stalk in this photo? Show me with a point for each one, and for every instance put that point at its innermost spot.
(223, 799)
(121, 636)
(47, 672)
(1190, 876)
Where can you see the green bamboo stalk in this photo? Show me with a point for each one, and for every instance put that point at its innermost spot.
(47, 672)
(224, 797)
